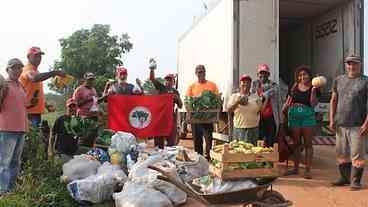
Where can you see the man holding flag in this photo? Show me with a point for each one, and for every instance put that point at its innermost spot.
(143, 116)
(166, 88)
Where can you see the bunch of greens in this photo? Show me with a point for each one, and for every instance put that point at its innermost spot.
(80, 127)
(207, 101)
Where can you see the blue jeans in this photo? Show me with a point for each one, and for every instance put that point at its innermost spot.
(35, 120)
(249, 135)
(11, 148)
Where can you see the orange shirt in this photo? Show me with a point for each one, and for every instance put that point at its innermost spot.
(32, 89)
(13, 114)
(197, 88)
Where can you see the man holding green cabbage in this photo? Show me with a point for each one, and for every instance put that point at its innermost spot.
(202, 130)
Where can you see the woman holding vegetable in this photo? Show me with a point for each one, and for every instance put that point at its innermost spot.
(246, 107)
(299, 108)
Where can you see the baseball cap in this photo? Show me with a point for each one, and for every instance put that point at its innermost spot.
(121, 70)
(263, 68)
(34, 51)
(70, 101)
(245, 77)
(170, 76)
(89, 75)
(352, 58)
(13, 62)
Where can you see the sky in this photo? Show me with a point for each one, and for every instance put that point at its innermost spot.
(154, 26)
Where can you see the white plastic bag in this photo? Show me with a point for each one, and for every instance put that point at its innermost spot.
(100, 187)
(141, 174)
(79, 167)
(122, 142)
(196, 168)
(210, 185)
(138, 195)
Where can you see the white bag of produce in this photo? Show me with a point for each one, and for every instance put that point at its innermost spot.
(122, 142)
(210, 185)
(100, 187)
(79, 167)
(138, 195)
(140, 174)
(196, 168)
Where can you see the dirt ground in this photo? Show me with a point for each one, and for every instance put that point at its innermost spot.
(315, 192)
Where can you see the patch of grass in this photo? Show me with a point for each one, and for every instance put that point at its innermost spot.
(38, 184)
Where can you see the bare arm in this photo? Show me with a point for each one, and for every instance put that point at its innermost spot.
(333, 106)
(44, 76)
(152, 74)
(313, 98)
(178, 101)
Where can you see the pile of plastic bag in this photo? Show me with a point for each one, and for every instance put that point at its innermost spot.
(210, 185)
(99, 187)
(80, 167)
(157, 193)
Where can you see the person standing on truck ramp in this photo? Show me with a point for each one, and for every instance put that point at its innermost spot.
(200, 130)
(31, 80)
(299, 107)
(348, 118)
(270, 114)
(166, 88)
(246, 107)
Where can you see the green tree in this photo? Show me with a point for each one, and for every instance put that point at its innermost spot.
(92, 50)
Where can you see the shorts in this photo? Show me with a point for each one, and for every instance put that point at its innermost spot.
(301, 116)
(249, 135)
(349, 144)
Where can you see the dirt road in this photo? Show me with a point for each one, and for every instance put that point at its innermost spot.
(316, 192)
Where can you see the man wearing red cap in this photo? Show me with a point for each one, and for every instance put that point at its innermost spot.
(270, 114)
(31, 80)
(121, 86)
(167, 87)
(246, 107)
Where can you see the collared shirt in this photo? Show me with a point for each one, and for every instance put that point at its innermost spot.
(13, 114)
(33, 90)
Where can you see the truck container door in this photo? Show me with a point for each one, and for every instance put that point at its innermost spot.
(258, 36)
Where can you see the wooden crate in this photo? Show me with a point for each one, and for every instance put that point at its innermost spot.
(244, 173)
(227, 156)
(192, 120)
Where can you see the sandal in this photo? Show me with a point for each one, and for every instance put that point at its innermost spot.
(291, 172)
(307, 175)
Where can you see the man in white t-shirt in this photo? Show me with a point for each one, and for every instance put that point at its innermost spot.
(246, 107)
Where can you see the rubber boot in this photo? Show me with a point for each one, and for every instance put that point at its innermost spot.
(356, 176)
(345, 171)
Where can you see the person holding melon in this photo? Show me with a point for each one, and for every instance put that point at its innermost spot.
(299, 107)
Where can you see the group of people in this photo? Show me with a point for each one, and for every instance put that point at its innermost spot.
(258, 113)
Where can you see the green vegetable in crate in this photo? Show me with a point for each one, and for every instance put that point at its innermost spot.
(81, 127)
(207, 101)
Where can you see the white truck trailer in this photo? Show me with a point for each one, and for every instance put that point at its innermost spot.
(234, 36)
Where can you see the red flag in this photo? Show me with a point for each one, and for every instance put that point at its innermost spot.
(143, 116)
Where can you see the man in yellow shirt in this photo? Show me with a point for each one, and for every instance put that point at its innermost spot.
(31, 80)
(246, 107)
(202, 130)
